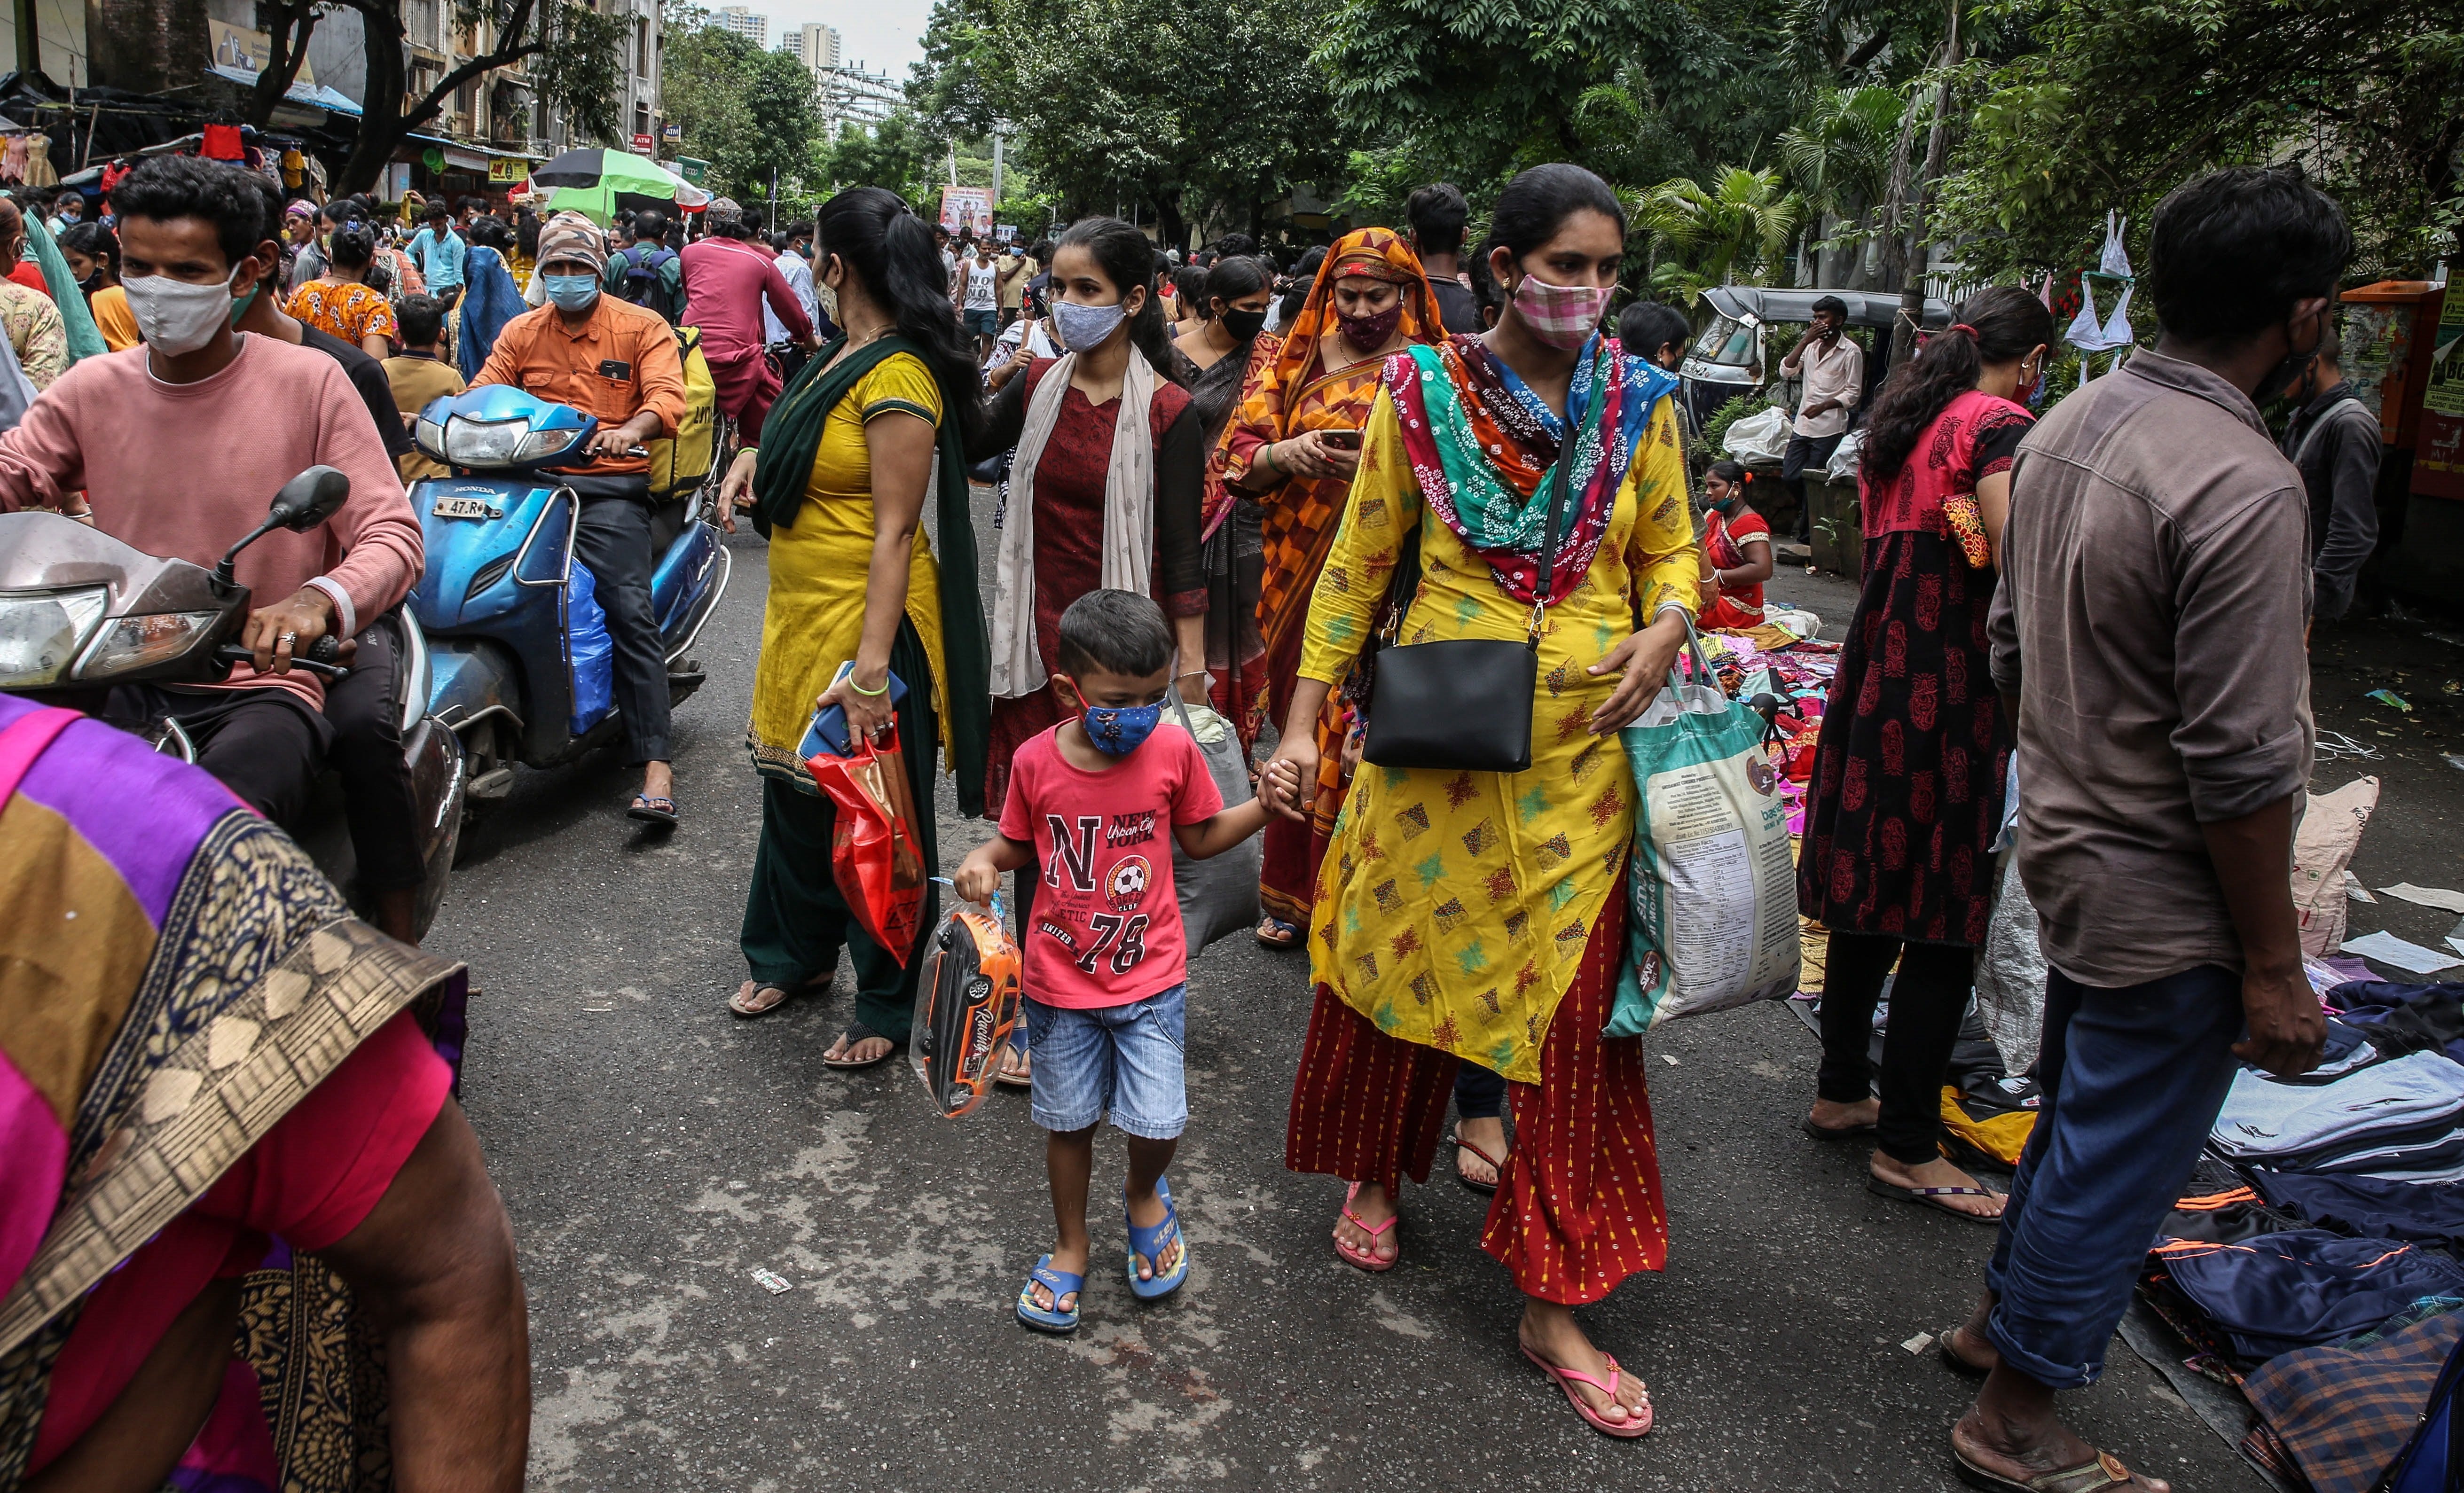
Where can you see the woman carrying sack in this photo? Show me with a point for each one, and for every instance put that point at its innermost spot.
(1907, 795)
(839, 485)
(1480, 915)
(1104, 491)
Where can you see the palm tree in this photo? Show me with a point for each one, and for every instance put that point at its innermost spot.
(1841, 155)
(1740, 224)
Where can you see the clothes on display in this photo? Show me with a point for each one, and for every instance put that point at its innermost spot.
(2345, 1412)
(2403, 1115)
(2304, 1287)
(2384, 1207)
(2405, 1018)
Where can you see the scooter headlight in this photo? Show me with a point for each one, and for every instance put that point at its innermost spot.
(128, 644)
(41, 632)
(491, 443)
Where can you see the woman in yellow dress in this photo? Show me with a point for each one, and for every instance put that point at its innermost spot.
(838, 486)
(1480, 916)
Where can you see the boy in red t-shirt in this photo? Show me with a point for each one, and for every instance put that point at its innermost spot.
(1093, 800)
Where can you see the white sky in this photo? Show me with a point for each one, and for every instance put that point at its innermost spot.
(885, 36)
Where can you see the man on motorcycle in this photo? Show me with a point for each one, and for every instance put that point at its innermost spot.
(180, 443)
(610, 358)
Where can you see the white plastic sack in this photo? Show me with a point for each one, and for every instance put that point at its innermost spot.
(1761, 436)
(1844, 457)
(1218, 896)
(2322, 848)
(1712, 924)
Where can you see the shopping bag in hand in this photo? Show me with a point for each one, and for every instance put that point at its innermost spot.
(1714, 920)
(965, 1007)
(874, 855)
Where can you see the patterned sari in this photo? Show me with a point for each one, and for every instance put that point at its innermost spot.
(1294, 394)
(175, 977)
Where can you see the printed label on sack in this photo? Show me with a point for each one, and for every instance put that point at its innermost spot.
(1726, 908)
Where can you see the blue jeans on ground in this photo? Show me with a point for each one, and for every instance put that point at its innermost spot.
(2133, 1079)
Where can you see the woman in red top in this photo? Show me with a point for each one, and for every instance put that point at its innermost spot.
(1104, 490)
(1737, 541)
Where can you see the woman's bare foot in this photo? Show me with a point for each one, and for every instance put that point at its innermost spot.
(1015, 1067)
(1936, 1173)
(1549, 1333)
(1859, 1116)
(1489, 1135)
(1372, 1206)
(754, 998)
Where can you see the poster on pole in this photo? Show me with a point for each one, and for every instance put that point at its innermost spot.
(966, 210)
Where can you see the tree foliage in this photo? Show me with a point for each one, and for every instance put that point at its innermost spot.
(1739, 225)
(747, 112)
(897, 153)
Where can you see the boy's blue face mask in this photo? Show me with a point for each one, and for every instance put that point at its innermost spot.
(1119, 729)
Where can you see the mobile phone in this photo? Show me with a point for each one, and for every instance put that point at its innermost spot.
(1341, 440)
(827, 736)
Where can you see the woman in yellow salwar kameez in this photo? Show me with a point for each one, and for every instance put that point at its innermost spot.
(1471, 916)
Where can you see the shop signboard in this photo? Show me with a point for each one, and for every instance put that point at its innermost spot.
(246, 51)
(508, 171)
(966, 210)
(691, 169)
(2438, 458)
(672, 133)
(644, 145)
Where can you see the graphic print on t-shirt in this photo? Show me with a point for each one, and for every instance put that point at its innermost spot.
(1119, 938)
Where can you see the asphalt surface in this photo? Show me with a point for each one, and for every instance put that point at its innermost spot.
(655, 1151)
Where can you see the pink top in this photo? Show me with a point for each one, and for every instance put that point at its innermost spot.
(1107, 920)
(186, 470)
(726, 281)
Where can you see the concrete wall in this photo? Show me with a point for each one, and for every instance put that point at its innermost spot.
(59, 41)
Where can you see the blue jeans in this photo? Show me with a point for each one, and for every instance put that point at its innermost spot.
(1124, 1060)
(2133, 1079)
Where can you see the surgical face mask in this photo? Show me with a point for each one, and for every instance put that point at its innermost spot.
(573, 292)
(177, 317)
(1243, 325)
(1561, 315)
(1372, 331)
(1086, 328)
(1119, 729)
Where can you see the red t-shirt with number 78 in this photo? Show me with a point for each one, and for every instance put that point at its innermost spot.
(1106, 928)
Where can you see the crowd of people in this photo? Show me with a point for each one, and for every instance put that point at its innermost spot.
(1229, 483)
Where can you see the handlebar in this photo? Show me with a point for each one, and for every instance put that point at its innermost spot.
(318, 660)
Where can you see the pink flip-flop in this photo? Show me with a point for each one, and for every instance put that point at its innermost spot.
(1362, 1259)
(1637, 1421)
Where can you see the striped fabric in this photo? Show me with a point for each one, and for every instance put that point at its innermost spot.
(1580, 1207)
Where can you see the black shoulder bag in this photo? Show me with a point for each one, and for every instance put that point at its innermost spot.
(1464, 704)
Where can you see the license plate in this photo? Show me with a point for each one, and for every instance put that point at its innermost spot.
(465, 508)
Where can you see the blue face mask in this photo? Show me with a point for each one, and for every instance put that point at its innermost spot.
(572, 292)
(1119, 729)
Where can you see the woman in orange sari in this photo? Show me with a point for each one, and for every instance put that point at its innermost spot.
(1292, 445)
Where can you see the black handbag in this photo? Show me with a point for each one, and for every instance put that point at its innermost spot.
(1464, 704)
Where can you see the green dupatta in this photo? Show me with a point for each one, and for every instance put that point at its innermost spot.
(791, 438)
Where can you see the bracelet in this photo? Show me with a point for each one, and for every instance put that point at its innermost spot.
(1265, 457)
(870, 693)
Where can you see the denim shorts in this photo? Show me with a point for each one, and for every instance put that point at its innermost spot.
(983, 324)
(1124, 1060)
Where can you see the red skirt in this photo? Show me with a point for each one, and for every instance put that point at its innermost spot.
(1580, 1207)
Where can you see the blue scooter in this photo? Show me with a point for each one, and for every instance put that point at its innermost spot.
(503, 602)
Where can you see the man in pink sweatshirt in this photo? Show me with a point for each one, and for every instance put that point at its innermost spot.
(727, 281)
(180, 443)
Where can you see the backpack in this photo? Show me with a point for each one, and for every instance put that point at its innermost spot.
(679, 465)
(643, 286)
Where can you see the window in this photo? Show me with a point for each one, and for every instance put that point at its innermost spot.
(641, 119)
(641, 46)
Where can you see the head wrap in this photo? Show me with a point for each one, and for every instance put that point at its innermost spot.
(299, 208)
(1297, 363)
(1369, 264)
(569, 236)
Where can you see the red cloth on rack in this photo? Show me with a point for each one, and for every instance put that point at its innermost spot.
(223, 143)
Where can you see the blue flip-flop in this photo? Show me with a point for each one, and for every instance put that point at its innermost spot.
(1060, 1282)
(1151, 1243)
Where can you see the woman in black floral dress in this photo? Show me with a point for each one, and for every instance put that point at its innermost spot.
(1907, 796)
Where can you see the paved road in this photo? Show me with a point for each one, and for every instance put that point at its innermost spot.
(654, 1152)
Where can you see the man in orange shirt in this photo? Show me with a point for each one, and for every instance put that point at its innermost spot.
(617, 360)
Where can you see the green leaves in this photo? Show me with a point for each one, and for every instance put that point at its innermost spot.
(1739, 225)
(746, 111)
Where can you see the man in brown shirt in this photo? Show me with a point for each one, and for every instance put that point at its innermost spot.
(617, 360)
(2155, 580)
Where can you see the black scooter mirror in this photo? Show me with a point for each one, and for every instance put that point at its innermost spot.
(309, 499)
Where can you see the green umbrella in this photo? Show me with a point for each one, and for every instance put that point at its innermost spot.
(599, 182)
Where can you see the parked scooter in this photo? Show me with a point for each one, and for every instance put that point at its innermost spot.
(520, 651)
(81, 611)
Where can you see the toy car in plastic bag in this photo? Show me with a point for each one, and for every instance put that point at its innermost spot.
(964, 1008)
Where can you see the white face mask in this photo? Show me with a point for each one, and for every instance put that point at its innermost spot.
(176, 316)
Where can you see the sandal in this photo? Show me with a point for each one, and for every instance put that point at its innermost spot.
(1060, 1283)
(1932, 1197)
(1276, 933)
(856, 1033)
(744, 1001)
(1638, 1420)
(1151, 1243)
(2088, 1477)
(1020, 1077)
(1834, 1132)
(1364, 1259)
(1460, 1144)
(659, 810)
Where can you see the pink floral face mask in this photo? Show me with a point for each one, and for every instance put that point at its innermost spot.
(1562, 316)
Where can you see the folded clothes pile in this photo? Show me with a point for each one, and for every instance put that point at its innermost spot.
(2374, 1206)
(2401, 1117)
(2405, 1018)
(2304, 1287)
(2344, 1412)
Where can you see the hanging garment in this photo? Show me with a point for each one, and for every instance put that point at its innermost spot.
(222, 143)
(2086, 330)
(39, 162)
(2116, 259)
(2117, 326)
(2304, 1287)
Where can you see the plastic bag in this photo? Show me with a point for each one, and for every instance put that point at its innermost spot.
(594, 651)
(874, 852)
(1842, 466)
(1219, 896)
(1714, 920)
(1761, 436)
(2322, 848)
(965, 1007)
(2011, 973)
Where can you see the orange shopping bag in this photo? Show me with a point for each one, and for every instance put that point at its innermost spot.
(874, 854)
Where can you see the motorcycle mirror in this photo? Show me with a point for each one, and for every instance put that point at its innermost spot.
(309, 499)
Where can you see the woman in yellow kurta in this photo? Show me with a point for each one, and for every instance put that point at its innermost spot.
(1472, 917)
(838, 486)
